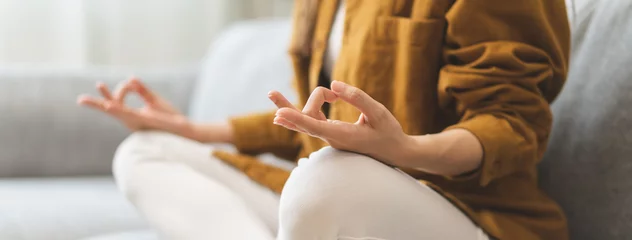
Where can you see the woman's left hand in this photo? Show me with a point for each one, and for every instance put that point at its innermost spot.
(376, 133)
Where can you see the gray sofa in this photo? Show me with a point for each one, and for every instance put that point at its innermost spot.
(55, 157)
(588, 166)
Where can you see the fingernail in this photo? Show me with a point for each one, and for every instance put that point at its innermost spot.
(340, 85)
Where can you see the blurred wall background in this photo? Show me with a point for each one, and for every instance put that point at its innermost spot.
(130, 33)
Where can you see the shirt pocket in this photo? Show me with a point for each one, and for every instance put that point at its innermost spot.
(400, 47)
(399, 67)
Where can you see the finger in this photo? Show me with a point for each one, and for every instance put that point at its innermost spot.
(125, 115)
(122, 90)
(145, 93)
(91, 102)
(280, 101)
(150, 97)
(110, 108)
(312, 126)
(104, 90)
(371, 108)
(286, 124)
(319, 96)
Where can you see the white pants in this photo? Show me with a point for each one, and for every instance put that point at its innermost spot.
(186, 194)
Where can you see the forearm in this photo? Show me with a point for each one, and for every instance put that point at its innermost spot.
(221, 132)
(449, 153)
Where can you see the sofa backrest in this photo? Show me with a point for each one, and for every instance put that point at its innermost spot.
(243, 64)
(588, 165)
(44, 133)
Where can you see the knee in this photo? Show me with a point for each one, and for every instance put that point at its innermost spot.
(331, 183)
(137, 147)
(333, 170)
(136, 141)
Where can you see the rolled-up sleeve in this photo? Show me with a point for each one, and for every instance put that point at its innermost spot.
(255, 134)
(505, 62)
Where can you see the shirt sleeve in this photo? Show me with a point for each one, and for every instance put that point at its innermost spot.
(504, 62)
(255, 134)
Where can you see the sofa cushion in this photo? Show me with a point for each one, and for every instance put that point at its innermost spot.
(244, 63)
(63, 208)
(587, 168)
(44, 133)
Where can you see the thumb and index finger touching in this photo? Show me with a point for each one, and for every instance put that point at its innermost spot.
(369, 107)
(134, 85)
(310, 118)
(339, 90)
(113, 103)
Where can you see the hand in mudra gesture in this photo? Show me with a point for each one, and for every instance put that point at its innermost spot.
(156, 113)
(375, 133)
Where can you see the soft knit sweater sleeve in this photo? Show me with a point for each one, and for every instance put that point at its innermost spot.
(505, 61)
(255, 134)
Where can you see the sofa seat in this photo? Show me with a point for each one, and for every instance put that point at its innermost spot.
(63, 208)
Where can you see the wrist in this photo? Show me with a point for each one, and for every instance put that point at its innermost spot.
(449, 153)
(191, 131)
(418, 151)
(210, 133)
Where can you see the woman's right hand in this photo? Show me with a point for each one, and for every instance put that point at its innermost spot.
(156, 113)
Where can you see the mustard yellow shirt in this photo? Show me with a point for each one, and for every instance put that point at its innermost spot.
(491, 67)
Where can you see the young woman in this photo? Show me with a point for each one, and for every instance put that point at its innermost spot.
(433, 130)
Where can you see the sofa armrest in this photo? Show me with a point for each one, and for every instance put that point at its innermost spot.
(44, 133)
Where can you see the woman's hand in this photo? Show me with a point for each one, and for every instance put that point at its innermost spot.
(376, 133)
(379, 135)
(156, 113)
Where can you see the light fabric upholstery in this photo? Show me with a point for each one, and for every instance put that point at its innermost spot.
(587, 167)
(131, 235)
(63, 208)
(44, 133)
(243, 64)
(237, 75)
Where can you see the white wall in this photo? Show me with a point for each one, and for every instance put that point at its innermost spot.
(75, 33)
